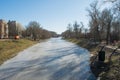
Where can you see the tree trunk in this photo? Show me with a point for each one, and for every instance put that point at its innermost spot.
(108, 33)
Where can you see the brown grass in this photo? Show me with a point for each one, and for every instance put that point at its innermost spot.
(10, 48)
(84, 43)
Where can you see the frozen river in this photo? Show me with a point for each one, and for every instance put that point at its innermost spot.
(53, 59)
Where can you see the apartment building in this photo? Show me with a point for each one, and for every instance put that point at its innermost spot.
(3, 29)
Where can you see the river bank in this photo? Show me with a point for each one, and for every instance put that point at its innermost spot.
(10, 48)
(111, 71)
(85, 44)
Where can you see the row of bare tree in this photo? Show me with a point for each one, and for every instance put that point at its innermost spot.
(34, 31)
(104, 24)
(75, 31)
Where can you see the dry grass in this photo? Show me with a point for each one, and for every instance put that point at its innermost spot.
(10, 48)
(84, 43)
(113, 72)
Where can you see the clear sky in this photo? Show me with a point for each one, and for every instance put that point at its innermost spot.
(53, 15)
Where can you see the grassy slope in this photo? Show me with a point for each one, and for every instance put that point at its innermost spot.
(83, 43)
(10, 48)
(113, 73)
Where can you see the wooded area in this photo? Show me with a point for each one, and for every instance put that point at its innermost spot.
(104, 24)
(36, 32)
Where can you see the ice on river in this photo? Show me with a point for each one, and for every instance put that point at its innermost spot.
(53, 59)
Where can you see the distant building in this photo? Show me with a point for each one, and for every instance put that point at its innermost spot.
(15, 29)
(10, 29)
(3, 29)
(12, 26)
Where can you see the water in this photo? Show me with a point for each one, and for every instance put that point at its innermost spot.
(54, 59)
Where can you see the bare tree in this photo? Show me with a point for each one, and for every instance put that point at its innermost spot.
(76, 29)
(33, 30)
(81, 29)
(108, 23)
(69, 28)
(94, 20)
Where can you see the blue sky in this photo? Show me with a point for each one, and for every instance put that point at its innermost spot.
(53, 15)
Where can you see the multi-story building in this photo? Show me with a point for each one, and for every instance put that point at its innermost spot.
(10, 29)
(3, 29)
(12, 26)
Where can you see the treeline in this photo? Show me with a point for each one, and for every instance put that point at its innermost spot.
(104, 24)
(34, 31)
(75, 30)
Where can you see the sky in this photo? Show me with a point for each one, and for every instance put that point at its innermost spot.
(53, 15)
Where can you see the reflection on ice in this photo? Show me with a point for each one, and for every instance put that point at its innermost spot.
(54, 59)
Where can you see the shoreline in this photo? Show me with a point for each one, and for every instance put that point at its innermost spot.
(10, 48)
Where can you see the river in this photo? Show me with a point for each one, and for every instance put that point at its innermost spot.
(53, 59)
